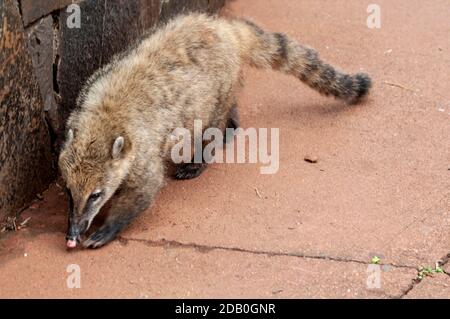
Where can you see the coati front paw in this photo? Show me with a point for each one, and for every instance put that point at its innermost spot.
(101, 237)
(189, 171)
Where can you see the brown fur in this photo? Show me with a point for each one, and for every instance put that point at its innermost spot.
(188, 70)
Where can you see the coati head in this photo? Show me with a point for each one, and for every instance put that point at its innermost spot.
(93, 168)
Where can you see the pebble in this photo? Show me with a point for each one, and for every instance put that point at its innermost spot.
(311, 159)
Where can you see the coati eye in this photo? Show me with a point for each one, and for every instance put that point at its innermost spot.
(95, 196)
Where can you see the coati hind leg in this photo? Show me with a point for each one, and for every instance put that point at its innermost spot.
(232, 123)
(197, 165)
(189, 170)
(193, 170)
(128, 203)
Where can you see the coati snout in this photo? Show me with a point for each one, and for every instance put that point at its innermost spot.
(79, 222)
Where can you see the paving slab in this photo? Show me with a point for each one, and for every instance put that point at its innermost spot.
(129, 269)
(436, 287)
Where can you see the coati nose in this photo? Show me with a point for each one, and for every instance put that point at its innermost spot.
(72, 238)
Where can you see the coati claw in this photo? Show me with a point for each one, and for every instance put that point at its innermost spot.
(100, 238)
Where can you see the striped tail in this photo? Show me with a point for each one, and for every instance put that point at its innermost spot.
(275, 50)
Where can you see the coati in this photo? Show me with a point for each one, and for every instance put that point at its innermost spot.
(117, 145)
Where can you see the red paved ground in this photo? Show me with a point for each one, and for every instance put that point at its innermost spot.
(381, 186)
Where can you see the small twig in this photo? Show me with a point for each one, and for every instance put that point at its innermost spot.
(399, 86)
(258, 193)
(25, 222)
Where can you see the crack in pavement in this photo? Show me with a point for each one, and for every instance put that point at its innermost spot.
(208, 248)
(411, 286)
(415, 282)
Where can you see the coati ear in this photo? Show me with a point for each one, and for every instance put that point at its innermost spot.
(117, 147)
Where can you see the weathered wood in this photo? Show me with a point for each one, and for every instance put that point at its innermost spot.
(32, 10)
(40, 43)
(26, 165)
